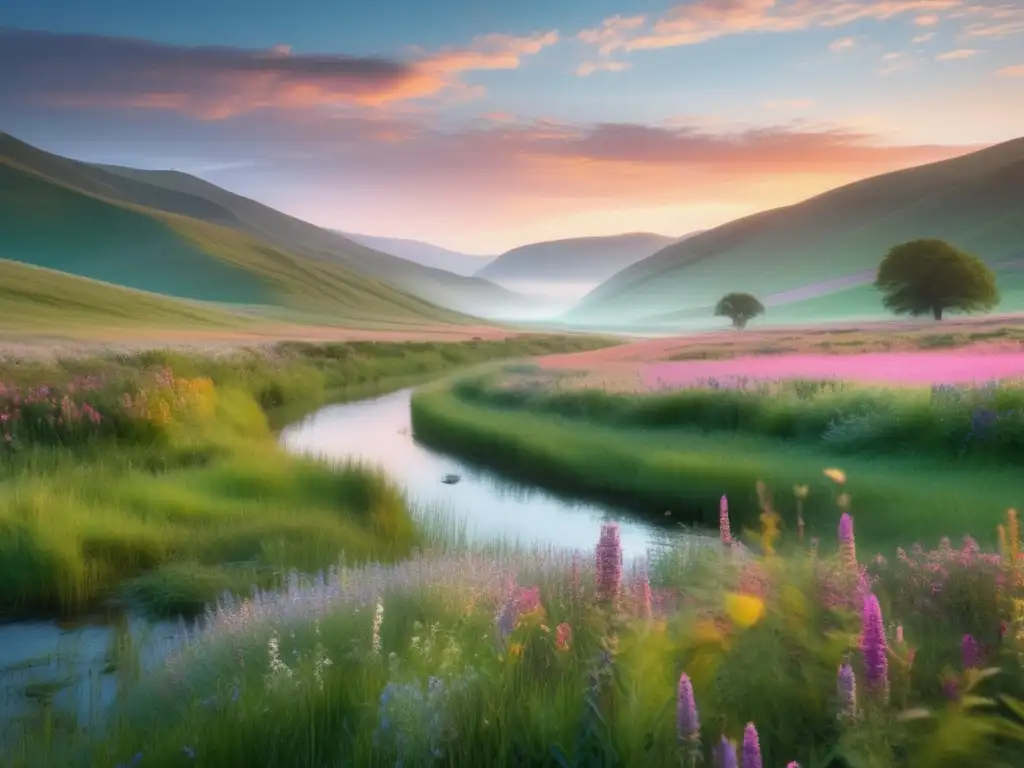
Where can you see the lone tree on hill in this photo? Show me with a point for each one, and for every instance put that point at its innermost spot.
(740, 308)
(931, 276)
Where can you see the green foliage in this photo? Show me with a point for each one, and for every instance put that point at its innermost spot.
(685, 470)
(930, 276)
(741, 308)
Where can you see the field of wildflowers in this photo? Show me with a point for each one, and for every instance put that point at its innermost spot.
(763, 650)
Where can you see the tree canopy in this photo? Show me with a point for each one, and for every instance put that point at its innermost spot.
(739, 307)
(923, 277)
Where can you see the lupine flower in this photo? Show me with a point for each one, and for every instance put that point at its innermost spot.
(608, 561)
(724, 529)
(793, 764)
(378, 619)
(874, 646)
(846, 687)
(751, 747)
(971, 652)
(847, 545)
(687, 719)
(725, 754)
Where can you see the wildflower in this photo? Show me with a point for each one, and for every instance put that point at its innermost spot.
(744, 610)
(725, 754)
(837, 476)
(751, 747)
(608, 562)
(801, 491)
(644, 597)
(378, 619)
(515, 650)
(899, 634)
(724, 529)
(874, 646)
(971, 652)
(847, 544)
(846, 686)
(687, 719)
(563, 636)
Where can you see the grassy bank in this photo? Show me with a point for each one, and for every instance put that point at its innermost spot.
(897, 499)
(982, 423)
(156, 479)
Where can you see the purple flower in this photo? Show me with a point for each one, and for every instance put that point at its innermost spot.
(847, 543)
(724, 529)
(725, 754)
(874, 646)
(971, 652)
(687, 719)
(608, 561)
(846, 685)
(751, 747)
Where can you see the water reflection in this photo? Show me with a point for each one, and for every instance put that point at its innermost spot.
(379, 432)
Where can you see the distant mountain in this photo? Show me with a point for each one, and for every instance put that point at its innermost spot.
(574, 260)
(974, 201)
(427, 254)
(121, 229)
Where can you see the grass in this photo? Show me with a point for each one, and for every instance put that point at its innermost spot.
(685, 470)
(985, 423)
(545, 657)
(155, 479)
(970, 201)
(39, 299)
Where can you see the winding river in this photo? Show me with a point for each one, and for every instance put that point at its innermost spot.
(67, 667)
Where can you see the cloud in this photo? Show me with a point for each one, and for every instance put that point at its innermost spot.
(895, 61)
(928, 20)
(924, 38)
(702, 20)
(590, 67)
(842, 44)
(958, 54)
(1016, 70)
(993, 20)
(215, 83)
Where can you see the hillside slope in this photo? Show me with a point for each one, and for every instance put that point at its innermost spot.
(573, 260)
(425, 254)
(51, 224)
(973, 201)
(34, 299)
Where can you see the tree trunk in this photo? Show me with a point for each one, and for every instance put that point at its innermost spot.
(740, 323)
(937, 313)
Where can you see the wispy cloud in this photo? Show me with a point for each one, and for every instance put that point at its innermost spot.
(992, 20)
(928, 20)
(895, 61)
(1016, 70)
(958, 54)
(590, 67)
(702, 20)
(215, 83)
(842, 44)
(924, 38)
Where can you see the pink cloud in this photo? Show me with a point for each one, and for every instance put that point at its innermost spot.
(216, 83)
(958, 54)
(1016, 70)
(590, 67)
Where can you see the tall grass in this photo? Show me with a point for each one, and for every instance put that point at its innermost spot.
(984, 422)
(685, 471)
(155, 479)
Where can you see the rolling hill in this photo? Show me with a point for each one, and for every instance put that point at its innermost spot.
(974, 201)
(38, 299)
(74, 218)
(574, 260)
(425, 254)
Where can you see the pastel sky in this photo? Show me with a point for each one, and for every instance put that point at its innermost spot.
(481, 125)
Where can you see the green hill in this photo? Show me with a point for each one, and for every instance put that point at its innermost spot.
(973, 201)
(38, 299)
(65, 216)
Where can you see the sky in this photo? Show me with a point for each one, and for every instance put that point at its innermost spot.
(481, 125)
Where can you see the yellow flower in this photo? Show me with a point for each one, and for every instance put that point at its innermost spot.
(515, 650)
(835, 475)
(801, 491)
(744, 610)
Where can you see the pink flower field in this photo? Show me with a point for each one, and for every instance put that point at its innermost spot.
(903, 368)
(893, 368)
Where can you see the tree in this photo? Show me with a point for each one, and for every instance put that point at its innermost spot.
(739, 307)
(931, 276)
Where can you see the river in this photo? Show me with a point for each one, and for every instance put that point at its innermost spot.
(68, 667)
